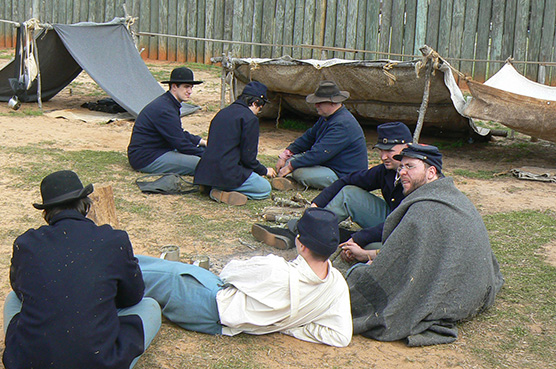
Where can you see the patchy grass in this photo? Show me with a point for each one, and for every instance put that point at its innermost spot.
(519, 329)
(24, 112)
(478, 174)
(294, 124)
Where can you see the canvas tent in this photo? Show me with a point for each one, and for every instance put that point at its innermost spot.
(105, 51)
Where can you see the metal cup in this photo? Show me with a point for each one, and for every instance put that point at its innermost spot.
(203, 261)
(170, 252)
(14, 103)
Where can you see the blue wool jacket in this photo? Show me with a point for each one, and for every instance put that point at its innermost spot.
(378, 177)
(231, 154)
(336, 142)
(158, 130)
(71, 277)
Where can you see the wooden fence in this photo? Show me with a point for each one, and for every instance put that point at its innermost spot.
(476, 36)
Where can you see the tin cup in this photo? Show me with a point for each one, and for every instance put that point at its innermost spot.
(170, 252)
(203, 261)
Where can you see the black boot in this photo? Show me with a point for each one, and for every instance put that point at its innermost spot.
(279, 238)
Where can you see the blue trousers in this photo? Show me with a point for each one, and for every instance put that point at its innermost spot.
(173, 162)
(317, 176)
(186, 293)
(363, 207)
(255, 187)
(147, 310)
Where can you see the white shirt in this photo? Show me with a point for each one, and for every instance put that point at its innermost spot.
(269, 294)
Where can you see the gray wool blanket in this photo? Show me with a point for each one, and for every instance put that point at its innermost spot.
(435, 268)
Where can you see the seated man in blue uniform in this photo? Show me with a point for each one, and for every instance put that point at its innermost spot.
(350, 196)
(229, 165)
(334, 147)
(158, 142)
(77, 299)
(306, 298)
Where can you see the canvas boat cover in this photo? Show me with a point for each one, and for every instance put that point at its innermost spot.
(381, 90)
(105, 51)
(516, 102)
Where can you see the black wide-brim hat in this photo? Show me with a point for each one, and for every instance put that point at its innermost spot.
(182, 75)
(327, 91)
(62, 187)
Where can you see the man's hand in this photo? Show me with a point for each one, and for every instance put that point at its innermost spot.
(352, 251)
(270, 172)
(280, 163)
(285, 171)
(313, 205)
(202, 142)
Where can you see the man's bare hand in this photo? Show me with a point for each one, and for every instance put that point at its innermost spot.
(352, 251)
(270, 172)
(285, 171)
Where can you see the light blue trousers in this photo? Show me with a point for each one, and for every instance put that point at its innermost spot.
(147, 310)
(317, 176)
(173, 162)
(186, 293)
(363, 207)
(255, 187)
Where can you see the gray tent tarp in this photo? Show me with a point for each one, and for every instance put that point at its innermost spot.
(105, 51)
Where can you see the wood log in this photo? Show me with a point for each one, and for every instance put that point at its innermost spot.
(103, 209)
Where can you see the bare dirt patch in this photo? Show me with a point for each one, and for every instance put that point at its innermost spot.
(167, 223)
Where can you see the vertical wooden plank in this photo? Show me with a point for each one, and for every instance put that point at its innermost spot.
(469, 36)
(181, 44)
(372, 28)
(410, 28)
(498, 9)
(385, 25)
(162, 29)
(172, 29)
(340, 37)
(298, 28)
(84, 11)
(218, 33)
(521, 27)
(191, 29)
(153, 41)
(547, 37)
(289, 14)
(330, 26)
(483, 31)
(535, 28)
(76, 10)
(209, 30)
(246, 26)
(200, 53)
(433, 19)
(109, 10)
(144, 15)
(509, 29)
(257, 28)
(47, 14)
(351, 28)
(361, 25)
(267, 29)
(444, 28)
(228, 19)
(458, 17)
(279, 28)
(420, 25)
(308, 27)
(396, 38)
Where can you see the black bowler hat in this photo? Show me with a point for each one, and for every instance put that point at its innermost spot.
(427, 153)
(391, 134)
(62, 187)
(256, 89)
(182, 75)
(318, 230)
(327, 91)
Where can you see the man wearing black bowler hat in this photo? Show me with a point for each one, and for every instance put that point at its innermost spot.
(334, 147)
(77, 299)
(158, 142)
(306, 298)
(229, 165)
(435, 268)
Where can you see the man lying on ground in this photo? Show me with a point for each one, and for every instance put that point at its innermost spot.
(435, 267)
(305, 298)
(333, 147)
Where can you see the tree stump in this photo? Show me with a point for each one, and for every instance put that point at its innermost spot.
(103, 209)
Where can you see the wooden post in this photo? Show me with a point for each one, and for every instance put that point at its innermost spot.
(103, 209)
(424, 103)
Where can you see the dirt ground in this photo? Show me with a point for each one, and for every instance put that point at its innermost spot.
(491, 195)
